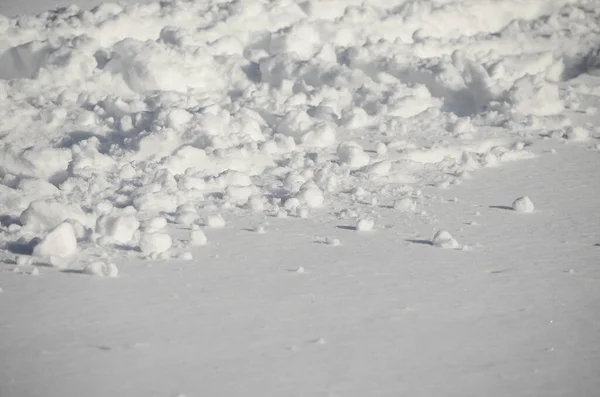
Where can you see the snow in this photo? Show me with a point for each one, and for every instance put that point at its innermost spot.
(198, 237)
(61, 241)
(443, 239)
(101, 269)
(285, 132)
(155, 243)
(523, 204)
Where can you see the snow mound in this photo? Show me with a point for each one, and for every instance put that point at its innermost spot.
(443, 239)
(121, 118)
(60, 242)
(523, 204)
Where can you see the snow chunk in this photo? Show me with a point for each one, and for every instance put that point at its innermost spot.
(352, 154)
(533, 95)
(155, 243)
(198, 237)
(405, 204)
(154, 224)
(215, 221)
(365, 225)
(47, 214)
(576, 134)
(61, 242)
(311, 195)
(102, 269)
(443, 239)
(119, 228)
(523, 204)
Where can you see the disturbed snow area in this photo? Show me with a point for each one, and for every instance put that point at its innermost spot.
(197, 113)
(288, 186)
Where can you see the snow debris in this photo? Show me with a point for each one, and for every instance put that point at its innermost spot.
(299, 269)
(100, 268)
(310, 195)
(275, 108)
(154, 224)
(365, 225)
(333, 242)
(523, 204)
(186, 256)
(197, 237)
(405, 204)
(47, 214)
(352, 155)
(578, 134)
(34, 272)
(61, 242)
(120, 228)
(215, 221)
(156, 243)
(23, 260)
(443, 239)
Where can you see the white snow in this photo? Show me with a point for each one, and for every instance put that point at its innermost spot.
(131, 131)
(523, 204)
(61, 241)
(365, 224)
(198, 237)
(155, 243)
(119, 228)
(100, 268)
(443, 239)
(215, 221)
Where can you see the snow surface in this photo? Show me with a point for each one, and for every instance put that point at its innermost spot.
(215, 159)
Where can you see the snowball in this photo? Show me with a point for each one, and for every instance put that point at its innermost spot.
(333, 241)
(101, 269)
(311, 195)
(576, 134)
(443, 239)
(186, 218)
(119, 228)
(155, 243)
(405, 204)
(215, 221)
(365, 225)
(381, 148)
(352, 154)
(61, 242)
(523, 204)
(198, 237)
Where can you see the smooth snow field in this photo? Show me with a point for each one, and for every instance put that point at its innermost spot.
(300, 198)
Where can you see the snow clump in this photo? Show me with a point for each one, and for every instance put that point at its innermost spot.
(120, 228)
(523, 204)
(197, 236)
(102, 269)
(155, 243)
(443, 239)
(365, 224)
(60, 242)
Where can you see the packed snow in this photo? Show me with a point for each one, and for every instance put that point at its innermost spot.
(341, 140)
